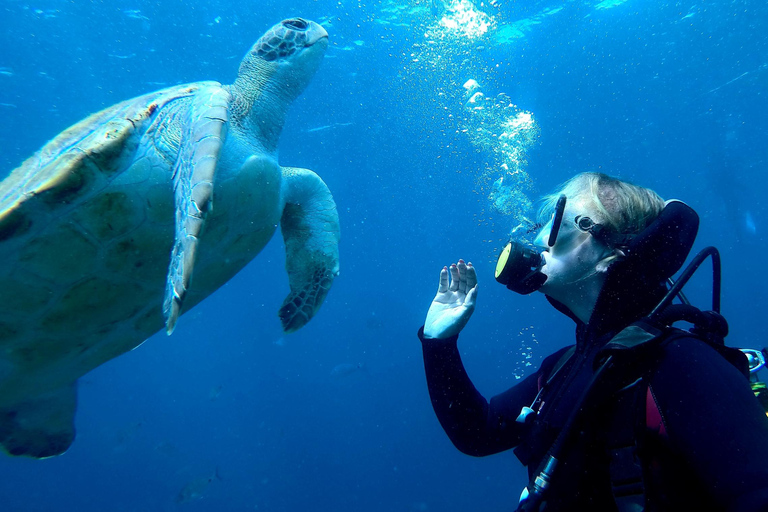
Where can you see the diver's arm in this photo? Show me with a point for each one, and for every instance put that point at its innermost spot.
(475, 426)
(715, 422)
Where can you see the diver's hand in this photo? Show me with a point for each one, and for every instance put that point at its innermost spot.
(454, 303)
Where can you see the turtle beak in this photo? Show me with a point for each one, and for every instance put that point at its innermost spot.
(315, 32)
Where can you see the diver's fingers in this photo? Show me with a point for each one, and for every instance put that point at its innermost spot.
(469, 302)
(454, 277)
(443, 286)
(462, 266)
(471, 276)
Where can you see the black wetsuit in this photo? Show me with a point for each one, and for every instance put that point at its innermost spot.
(711, 452)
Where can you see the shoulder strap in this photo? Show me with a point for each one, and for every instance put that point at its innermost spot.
(634, 348)
(559, 365)
(622, 443)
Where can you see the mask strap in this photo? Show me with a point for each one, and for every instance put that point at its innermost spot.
(556, 221)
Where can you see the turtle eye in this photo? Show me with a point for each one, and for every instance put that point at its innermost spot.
(296, 24)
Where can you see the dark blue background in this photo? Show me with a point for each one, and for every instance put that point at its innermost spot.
(639, 90)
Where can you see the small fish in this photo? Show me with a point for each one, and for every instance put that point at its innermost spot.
(135, 14)
(345, 48)
(8, 105)
(691, 13)
(168, 449)
(326, 127)
(373, 322)
(6, 71)
(118, 56)
(749, 223)
(319, 128)
(346, 369)
(124, 437)
(195, 490)
(48, 13)
(214, 393)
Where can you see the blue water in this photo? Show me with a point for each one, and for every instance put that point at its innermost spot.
(668, 95)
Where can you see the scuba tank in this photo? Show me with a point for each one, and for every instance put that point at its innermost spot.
(756, 360)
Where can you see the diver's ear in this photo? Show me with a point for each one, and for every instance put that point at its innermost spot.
(613, 256)
(603, 265)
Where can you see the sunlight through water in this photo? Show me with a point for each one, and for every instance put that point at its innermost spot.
(444, 66)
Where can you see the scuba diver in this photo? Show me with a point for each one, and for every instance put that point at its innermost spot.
(636, 416)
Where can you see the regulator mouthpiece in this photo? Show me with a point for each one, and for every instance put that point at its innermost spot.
(519, 268)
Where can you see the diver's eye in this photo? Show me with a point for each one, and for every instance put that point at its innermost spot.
(296, 24)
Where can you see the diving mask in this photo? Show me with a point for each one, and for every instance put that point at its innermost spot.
(554, 231)
(519, 265)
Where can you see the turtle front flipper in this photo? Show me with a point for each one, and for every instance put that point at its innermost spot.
(42, 426)
(203, 135)
(310, 226)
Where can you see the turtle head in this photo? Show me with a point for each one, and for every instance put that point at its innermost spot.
(275, 71)
(296, 41)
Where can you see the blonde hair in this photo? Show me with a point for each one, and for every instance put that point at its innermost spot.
(622, 206)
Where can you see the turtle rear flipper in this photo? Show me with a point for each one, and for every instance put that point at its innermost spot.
(193, 174)
(40, 427)
(310, 226)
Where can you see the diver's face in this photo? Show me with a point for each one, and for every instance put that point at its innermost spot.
(572, 262)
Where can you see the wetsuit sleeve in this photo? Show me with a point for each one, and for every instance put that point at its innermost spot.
(475, 426)
(714, 420)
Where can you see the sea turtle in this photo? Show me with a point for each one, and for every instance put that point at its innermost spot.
(101, 229)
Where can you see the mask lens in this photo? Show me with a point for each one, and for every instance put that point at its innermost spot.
(542, 239)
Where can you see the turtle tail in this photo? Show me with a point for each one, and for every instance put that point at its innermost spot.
(41, 426)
